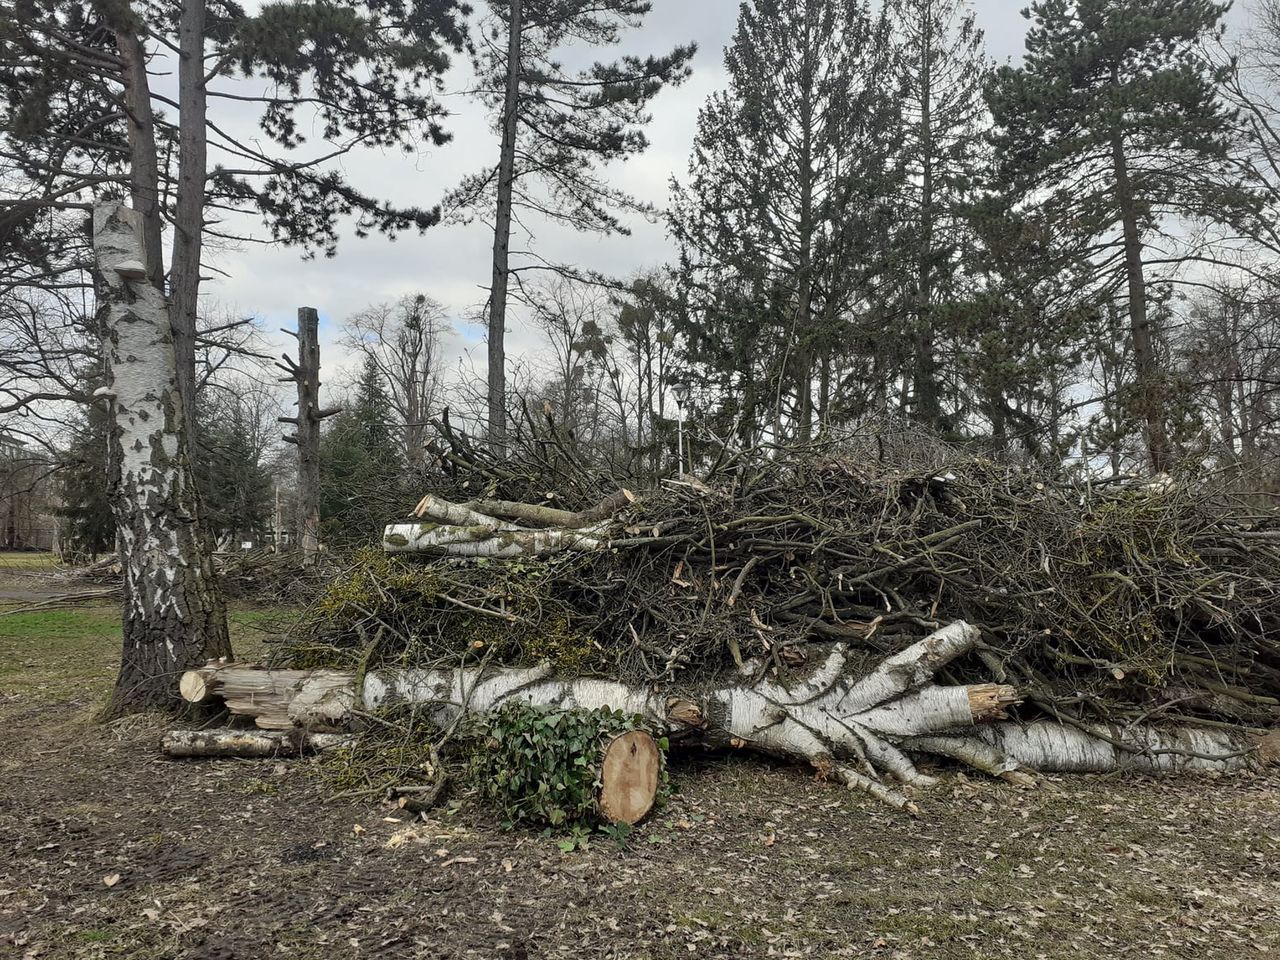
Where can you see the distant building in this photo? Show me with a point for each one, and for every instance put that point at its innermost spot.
(28, 498)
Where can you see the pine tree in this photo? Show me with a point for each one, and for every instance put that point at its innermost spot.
(1022, 326)
(784, 216)
(557, 127)
(940, 69)
(1115, 126)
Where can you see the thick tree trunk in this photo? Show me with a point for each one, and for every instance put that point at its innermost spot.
(502, 236)
(188, 232)
(173, 614)
(856, 730)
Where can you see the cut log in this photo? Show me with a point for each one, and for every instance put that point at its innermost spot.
(276, 699)
(854, 730)
(550, 516)
(630, 768)
(493, 539)
(248, 744)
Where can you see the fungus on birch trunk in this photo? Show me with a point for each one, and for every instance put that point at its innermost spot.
(173, 613)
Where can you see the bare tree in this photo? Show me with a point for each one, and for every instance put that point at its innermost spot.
(402, 340)
(1229, 355)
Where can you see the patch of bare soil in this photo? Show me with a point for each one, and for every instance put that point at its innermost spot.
(106, 850)
(19, 586)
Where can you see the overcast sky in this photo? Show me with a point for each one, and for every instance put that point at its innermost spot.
(451, 263)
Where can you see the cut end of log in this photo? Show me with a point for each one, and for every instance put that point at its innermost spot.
(1269, 749)
(194, 687)
(989, 701)
(629, 773)
(685, 713)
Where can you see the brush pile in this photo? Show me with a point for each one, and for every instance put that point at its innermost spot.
(1115, 603)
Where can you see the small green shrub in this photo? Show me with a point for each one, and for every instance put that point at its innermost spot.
(540, 766)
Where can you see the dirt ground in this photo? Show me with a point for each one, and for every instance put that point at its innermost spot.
(107, 850)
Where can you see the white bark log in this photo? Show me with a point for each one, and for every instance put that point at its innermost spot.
(486, 540)
(851, 729)
(1050, 745)
(248, 744)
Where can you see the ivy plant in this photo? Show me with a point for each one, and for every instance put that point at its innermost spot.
(541, 766)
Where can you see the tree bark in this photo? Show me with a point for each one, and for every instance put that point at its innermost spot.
(249, 744)
(859, 731)
(144, 168)
(173, 613)
(1146, 363)
(184, 286)
(306, 374)
(502, 237)
(499, 540)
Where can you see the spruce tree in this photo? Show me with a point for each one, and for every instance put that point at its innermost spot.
(940, 68)
(90, 527)
(786, 214)
(1115, 127)
(362, 478)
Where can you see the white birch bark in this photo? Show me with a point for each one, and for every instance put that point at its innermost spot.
(173, 617)
(860, 731)
(495, 539)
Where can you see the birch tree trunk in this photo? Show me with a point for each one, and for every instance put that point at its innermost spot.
(860, 731)
(173, 614)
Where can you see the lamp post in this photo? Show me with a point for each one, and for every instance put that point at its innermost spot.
(680, 390)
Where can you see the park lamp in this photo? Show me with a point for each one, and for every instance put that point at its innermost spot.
(680, 389)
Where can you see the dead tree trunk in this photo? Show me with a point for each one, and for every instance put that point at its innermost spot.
(860, 731)
(306, 374)
(173, 613)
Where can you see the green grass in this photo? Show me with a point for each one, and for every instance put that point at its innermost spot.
(59, 654)
(73, 653)
(20, 560)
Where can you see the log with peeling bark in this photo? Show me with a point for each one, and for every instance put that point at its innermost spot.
(276, 699)
(249, 744)
(862, 731)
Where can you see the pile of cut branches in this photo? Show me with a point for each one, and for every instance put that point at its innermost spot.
(1101, 602)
